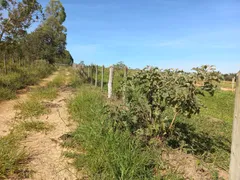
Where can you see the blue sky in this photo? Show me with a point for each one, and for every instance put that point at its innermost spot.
(165, 33)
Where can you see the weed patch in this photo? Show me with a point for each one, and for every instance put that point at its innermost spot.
(57, 82)
(13, 159)
(31, 108)
(109, 154)
(48, 93)
(37, 126)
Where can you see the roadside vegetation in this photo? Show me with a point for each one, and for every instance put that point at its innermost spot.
(109, 135)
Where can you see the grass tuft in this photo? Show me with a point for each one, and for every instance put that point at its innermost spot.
(57, 81)
(13, 159)
(48, 93)
(31, 108)
(37, 126)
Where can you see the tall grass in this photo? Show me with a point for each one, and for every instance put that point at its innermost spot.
(21, 77)
(109, 154)
(12, 158)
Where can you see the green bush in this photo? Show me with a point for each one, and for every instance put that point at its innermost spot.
(11, 81)
(6, 94)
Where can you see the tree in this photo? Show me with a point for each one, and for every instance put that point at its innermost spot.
(55, 9)
(52, 34)
(15, 19)
(20, 15)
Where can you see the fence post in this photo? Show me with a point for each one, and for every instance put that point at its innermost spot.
(91, 74)
(110, 82)
(235, 149)
(102, 78)
(125, 71)
(233, 83)
(125, 78)
(88, 72)
(96, 77)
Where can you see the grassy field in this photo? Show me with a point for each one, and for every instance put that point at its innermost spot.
(227, 84)
(208, 135)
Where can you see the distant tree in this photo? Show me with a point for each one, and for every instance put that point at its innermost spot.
(120, 65)
(229, 77)
(50, 36)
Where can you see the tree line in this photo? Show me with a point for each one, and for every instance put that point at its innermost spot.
(19, 46)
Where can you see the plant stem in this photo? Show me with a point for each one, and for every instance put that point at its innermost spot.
(174, 118)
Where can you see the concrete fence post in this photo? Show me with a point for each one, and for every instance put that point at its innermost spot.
(110, 82)
(96, 76)
(235, 149)
(102, 80)
(91, 74)
(88, 71)
(233, 83)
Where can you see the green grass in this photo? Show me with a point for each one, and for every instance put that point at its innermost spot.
(20, 77)
(207, 135)
(48, 93)
(220, 106)
(13, 159)
(108, 154)
(36, 126)
(227, 84)
(6, 94)
(31, 108)
(58, 81)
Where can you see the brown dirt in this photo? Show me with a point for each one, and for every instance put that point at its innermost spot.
(189, 166)
(7, 112)
(48, 162)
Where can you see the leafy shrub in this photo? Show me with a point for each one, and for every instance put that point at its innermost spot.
(10, 81)
(6, 94)
(150, 92)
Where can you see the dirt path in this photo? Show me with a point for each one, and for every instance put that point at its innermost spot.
(7, 112)
(48, 162)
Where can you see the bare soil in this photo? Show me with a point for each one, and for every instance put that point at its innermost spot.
(190, 167)
(48, 160)
(7, 112)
